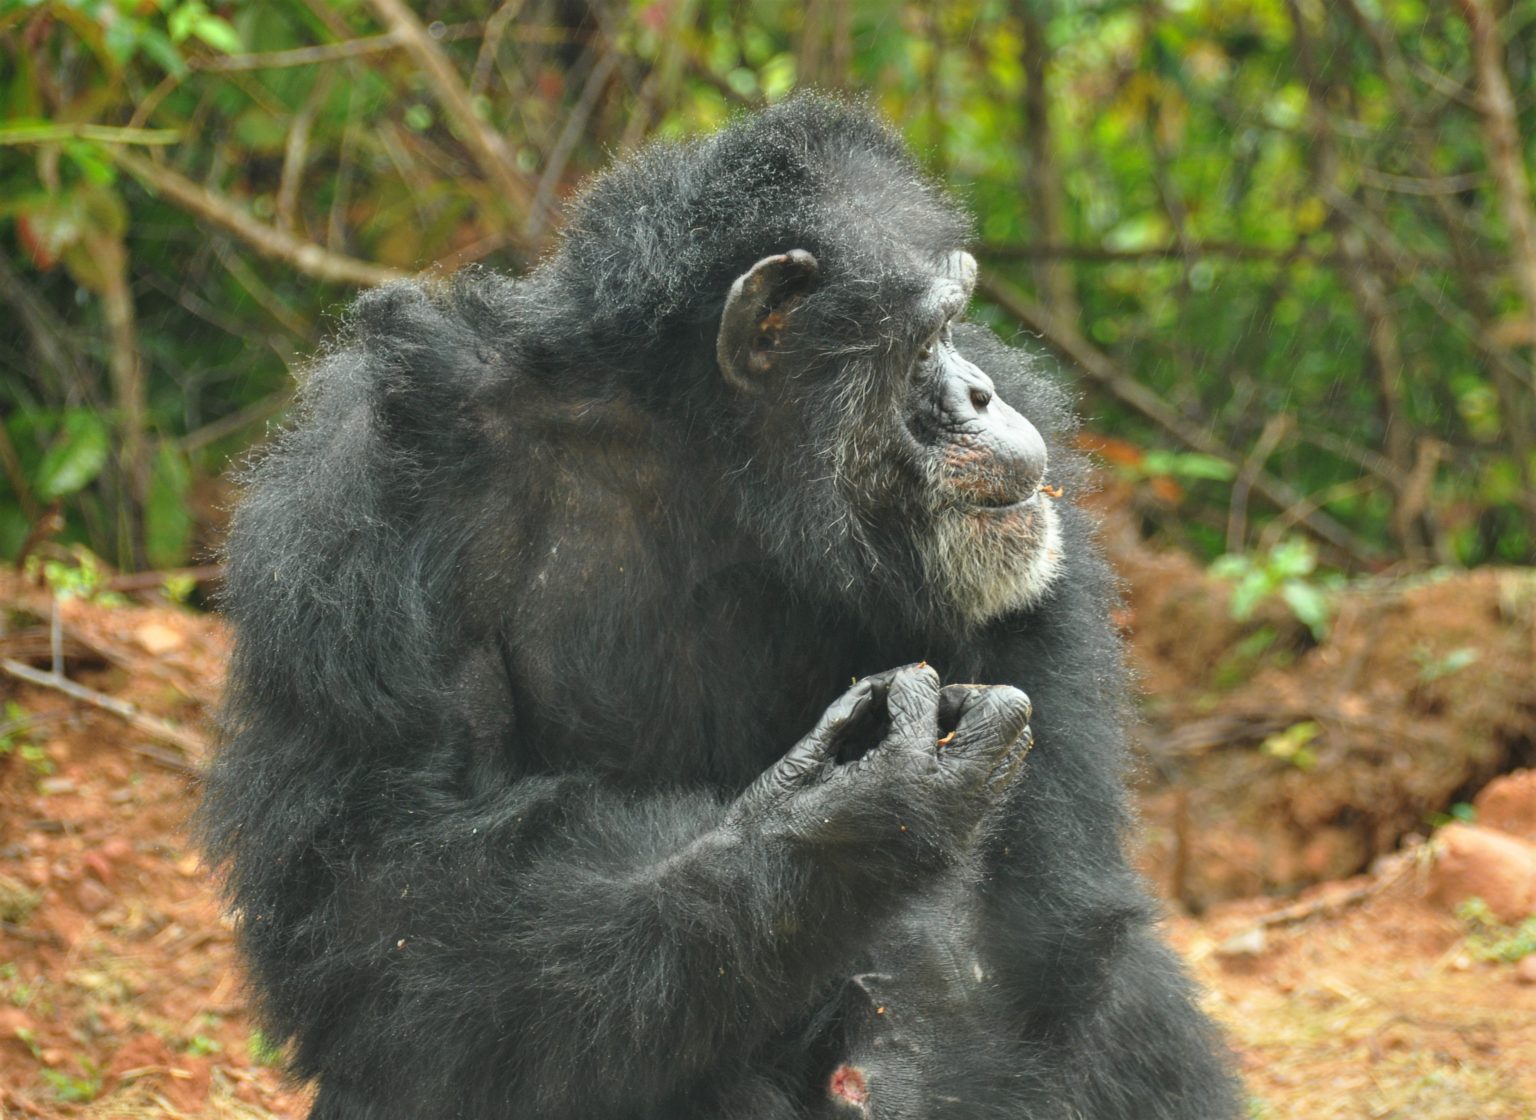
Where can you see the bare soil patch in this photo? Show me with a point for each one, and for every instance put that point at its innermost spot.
(120, 995)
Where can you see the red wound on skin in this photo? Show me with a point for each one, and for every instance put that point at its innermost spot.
(847, 1084)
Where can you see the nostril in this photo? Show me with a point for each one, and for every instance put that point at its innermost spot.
(980, 398)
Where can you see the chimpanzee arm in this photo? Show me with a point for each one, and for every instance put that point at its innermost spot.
(588, 949)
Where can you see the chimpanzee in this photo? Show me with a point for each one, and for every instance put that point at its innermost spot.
(625, 714)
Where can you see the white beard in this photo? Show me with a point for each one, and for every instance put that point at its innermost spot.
(988, 563)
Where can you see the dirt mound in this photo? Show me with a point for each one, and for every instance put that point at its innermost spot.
(1275, 760)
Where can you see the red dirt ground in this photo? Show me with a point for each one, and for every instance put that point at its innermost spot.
(120, 995)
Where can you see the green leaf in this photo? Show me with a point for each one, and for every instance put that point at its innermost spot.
(183, 18)
(1307, 603)
(167, 522)
(1204, 466)
(162, 50)
(1231, 565)
(1293, 558)
(217, 33)
(1247, 595)
(75, 458)
(92, 164)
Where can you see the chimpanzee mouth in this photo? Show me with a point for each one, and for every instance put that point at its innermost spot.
(1003, 503)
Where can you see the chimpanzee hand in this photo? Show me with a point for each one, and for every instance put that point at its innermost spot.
(898, 766)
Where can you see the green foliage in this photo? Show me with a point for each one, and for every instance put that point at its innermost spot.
(1286, 573)
(1213, 199)
(262, 1051)
(75, 1089)
(74, 458)
(14, 740)
(79, 577)
(1293, 745)
(1488, 939)
(1432, 667)
(178, 588)
(1462, 811)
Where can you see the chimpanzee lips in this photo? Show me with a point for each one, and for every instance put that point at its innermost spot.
(1002, 502)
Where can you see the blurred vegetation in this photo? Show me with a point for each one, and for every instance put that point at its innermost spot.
(1288, 244)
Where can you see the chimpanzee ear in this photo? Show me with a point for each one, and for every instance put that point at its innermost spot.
(754, 325)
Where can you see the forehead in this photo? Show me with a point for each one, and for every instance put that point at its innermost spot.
(931, 286)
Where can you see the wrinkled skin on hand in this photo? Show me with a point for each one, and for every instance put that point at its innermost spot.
(934, 763)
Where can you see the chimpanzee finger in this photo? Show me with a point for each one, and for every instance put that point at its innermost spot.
(951, 701)
(913, 704)
(852, 706)
(991, 720)
(1009, 764)
(813, 754)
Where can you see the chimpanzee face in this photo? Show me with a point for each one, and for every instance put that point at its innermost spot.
(935, 470)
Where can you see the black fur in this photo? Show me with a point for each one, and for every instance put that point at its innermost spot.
(530, 596)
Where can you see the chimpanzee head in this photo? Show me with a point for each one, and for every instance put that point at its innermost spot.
(936, 474)
(808, 280)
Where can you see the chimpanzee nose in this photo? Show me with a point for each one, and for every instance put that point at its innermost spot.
(1019, 447)
(1015, 445)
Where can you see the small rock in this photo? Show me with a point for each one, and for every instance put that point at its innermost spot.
(14, 1021)
(1509, 804)
(1525, 969)
(1480, 862)
(53, 786)
(93, 897)
(156, 638)
(1249, 943)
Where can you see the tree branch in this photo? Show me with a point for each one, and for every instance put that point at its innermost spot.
(1505, 152)
(307, 257)
(490, 149)
(1101, 368)
(193, 744)
(1194, 250)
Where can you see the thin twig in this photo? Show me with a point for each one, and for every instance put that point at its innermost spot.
(560, 154)
(247, 416)
(153, 726)
(148, 581)
(490, 42)
(1194, 250)
(54, 132)
(1506, 158)
(325, 52)
(1275, 429)
(1330, 902)
(296, 154)
(16, 475)
(490, 149)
